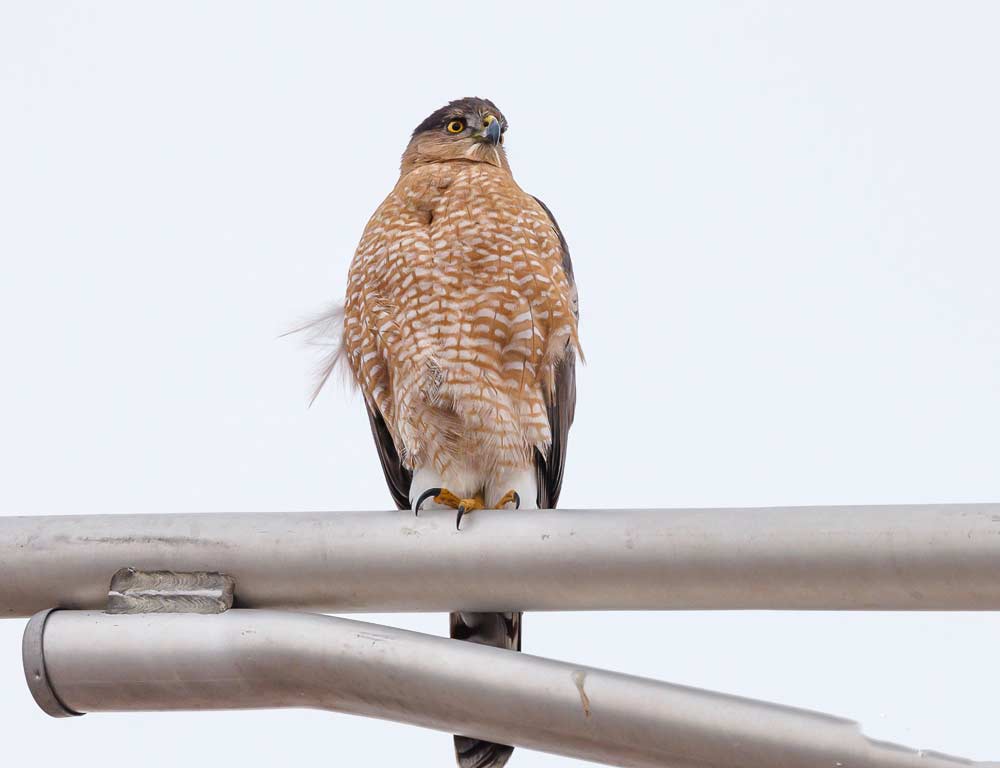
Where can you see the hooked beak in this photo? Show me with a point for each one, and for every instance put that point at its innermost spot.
(491, 132)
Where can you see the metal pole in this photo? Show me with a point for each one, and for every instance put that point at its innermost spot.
(934, 557)
(81, 661)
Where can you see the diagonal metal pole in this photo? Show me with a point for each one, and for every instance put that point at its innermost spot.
(908, 557)
(82, 661)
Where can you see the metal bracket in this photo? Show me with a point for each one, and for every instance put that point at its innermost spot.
(135, 591)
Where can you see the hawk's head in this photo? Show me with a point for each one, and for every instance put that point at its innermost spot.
(465, 129)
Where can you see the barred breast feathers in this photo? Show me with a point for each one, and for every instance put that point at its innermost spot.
(456, 315)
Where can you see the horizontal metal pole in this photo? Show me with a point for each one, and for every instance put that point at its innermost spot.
(933, 557)
(82, 661)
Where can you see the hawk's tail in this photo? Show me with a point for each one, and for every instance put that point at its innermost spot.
(502, 630)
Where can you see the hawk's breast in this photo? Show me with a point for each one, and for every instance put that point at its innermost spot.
(457, 312)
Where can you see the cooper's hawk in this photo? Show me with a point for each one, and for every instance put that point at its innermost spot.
(460, 328)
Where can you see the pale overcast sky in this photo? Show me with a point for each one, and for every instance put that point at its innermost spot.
(784, 219)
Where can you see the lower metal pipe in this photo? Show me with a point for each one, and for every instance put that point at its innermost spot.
(83, 661)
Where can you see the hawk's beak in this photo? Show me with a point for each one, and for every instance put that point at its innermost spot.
(491, 132)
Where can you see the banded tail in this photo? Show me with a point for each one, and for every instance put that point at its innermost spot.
(501, 630)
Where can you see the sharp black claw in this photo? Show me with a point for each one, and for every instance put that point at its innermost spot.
(517, 500)
(429, 493)
(458, 520)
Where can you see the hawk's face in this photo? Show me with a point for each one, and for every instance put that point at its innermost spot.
(466, 129)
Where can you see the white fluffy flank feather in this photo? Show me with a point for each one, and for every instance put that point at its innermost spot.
(326, 332)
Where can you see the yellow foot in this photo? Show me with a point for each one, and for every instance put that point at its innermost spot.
(511, 497)
(448, 499)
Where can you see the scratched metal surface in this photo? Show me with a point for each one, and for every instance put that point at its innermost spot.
(919, 557)
(252, 659)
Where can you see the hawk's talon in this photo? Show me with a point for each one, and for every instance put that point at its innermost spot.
(465, 506)
(423, 497)
(507, 498)
(446, 498)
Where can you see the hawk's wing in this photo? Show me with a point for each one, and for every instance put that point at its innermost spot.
(561, 403)
(397, 477)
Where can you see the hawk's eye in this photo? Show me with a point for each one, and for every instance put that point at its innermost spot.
(456, 126)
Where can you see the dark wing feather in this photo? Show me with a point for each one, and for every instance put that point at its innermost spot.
(397, 477)
(550, 465)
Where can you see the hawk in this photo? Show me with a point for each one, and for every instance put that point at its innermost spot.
(460, 329)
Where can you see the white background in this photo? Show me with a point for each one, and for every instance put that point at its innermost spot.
(784, 219)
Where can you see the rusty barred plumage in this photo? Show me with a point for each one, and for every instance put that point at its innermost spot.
(460, 328)
(458, 312)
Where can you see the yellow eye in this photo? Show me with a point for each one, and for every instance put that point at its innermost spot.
(456, 126)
